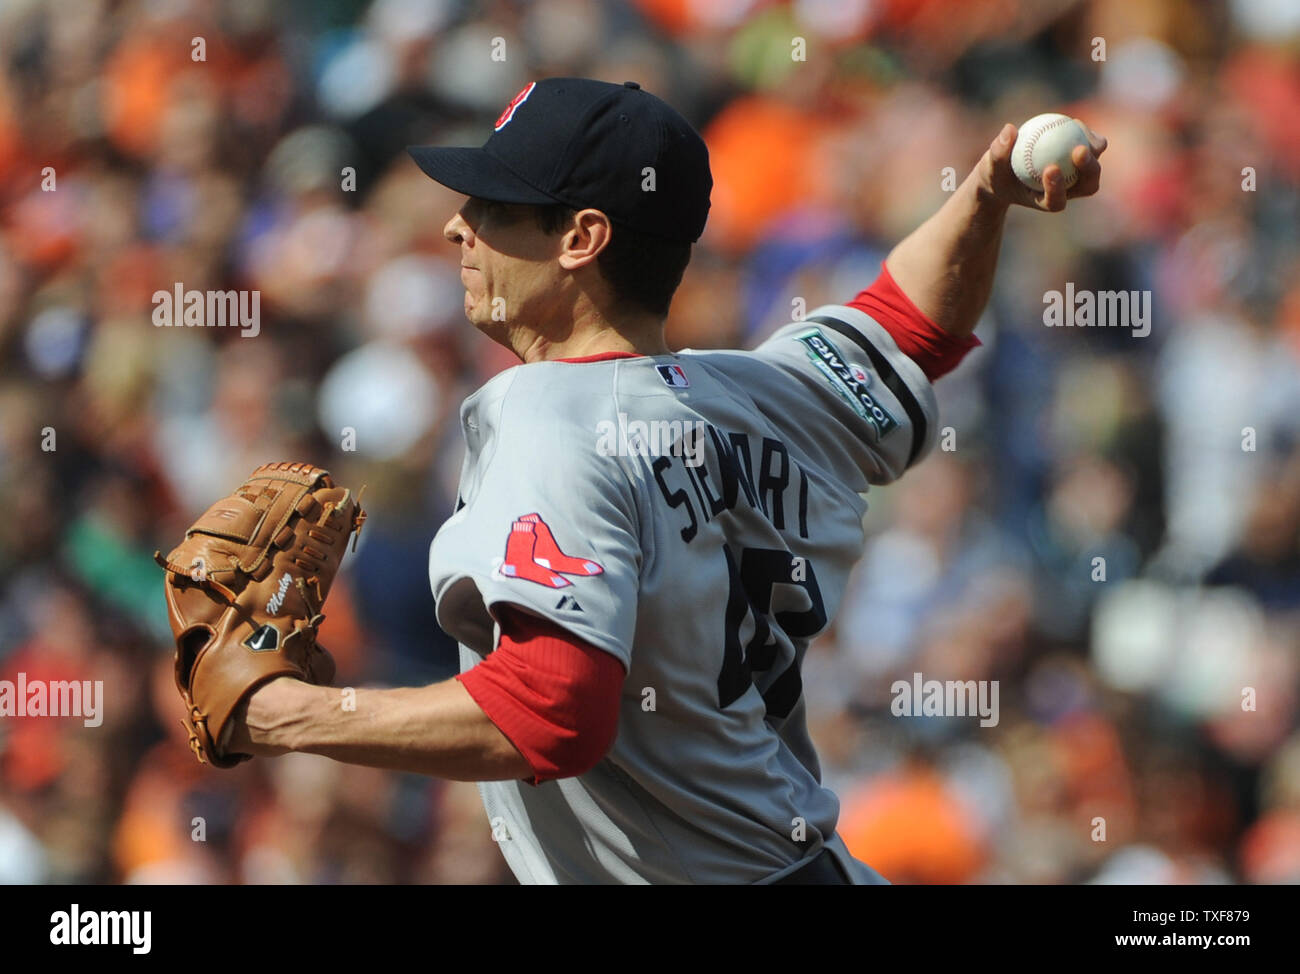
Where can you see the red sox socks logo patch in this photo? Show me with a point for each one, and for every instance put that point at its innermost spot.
(533, 555)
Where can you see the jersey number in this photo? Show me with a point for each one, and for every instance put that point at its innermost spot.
(752, 578)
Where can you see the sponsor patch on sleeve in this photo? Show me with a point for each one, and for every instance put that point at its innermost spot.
(849, 380)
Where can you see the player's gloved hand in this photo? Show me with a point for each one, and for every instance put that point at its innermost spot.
(999, 182)
(244, 591)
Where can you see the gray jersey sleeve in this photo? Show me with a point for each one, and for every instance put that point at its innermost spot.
(853, 366)
(545, 522)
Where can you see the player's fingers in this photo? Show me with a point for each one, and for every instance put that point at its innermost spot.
(1053, 198)
(1096, 140)
(1000, 148)
(1089, 168)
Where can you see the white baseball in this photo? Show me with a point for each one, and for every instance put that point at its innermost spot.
(1043, 140)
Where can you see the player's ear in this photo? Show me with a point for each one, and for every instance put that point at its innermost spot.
(589, 234)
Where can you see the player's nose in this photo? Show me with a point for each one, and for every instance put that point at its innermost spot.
(456, 230)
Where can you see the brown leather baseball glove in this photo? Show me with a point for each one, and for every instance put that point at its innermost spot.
(245, 590)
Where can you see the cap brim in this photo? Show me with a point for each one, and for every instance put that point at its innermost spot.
(475, 173)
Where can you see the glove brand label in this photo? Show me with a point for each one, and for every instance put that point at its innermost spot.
(275, 601)
(265, 639)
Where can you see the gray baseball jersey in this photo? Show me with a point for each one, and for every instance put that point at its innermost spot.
(696, 516)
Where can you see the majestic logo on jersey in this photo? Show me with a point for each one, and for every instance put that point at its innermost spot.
(515, 102)
(844, 379)
(533, 555)
(673, 376)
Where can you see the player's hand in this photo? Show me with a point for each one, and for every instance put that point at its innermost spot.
(998, 181)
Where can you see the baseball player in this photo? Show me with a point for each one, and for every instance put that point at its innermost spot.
(646, 541)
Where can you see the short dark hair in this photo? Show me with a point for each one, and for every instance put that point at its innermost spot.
(643, 270)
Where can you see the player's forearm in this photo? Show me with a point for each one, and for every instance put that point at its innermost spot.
(436, 730)
(946, 265)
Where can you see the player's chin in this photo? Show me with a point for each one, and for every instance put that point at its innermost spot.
(479, 315)
(474, 309)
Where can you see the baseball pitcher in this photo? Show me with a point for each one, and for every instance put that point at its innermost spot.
(646, 541)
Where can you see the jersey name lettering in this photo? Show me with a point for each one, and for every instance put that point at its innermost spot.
(776, 486)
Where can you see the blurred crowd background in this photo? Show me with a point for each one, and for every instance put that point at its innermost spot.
(275, 163)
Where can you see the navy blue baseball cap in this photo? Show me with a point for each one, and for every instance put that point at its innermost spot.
(588, 143)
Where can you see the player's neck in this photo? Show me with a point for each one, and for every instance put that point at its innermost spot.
(593, 334)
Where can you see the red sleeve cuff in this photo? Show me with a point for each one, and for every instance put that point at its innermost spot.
(554, 696)
(917, 337)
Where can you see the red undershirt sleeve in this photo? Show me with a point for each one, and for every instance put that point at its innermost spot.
(917, 337)
(554, 696)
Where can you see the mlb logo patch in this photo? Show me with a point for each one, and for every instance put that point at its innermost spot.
(673, 376)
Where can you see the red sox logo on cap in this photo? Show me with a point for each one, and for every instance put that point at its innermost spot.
(515, 102)
(581, 144)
